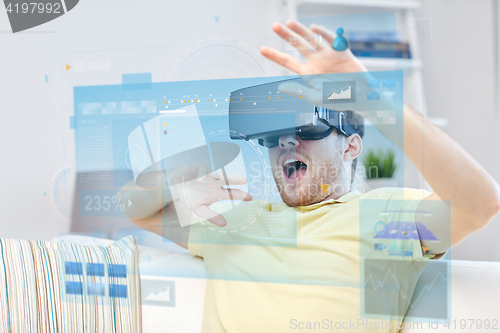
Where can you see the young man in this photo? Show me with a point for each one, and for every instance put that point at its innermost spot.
(311, 274)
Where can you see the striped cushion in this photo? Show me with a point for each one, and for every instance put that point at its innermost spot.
(60, 287)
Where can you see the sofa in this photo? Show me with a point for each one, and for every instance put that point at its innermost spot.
(173, 286)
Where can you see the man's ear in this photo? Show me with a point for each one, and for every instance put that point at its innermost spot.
(353, 147)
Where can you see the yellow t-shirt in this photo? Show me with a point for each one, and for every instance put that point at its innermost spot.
(348, 265)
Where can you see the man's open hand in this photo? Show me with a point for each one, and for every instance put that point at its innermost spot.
(196, 196)
(315, 44)
(193, 188)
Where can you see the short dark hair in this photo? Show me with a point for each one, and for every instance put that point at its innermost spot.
(358, 123)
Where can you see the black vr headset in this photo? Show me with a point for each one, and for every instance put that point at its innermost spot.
(262, 112)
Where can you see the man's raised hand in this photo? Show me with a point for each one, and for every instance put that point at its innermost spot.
(315, 44)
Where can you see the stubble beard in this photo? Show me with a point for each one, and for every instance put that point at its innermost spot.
(307, 191)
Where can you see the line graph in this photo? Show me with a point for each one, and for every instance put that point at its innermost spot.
(427, 287)
(383, 281)
(340, 93)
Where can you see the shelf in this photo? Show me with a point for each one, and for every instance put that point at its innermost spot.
(391, 4)
(390, 63)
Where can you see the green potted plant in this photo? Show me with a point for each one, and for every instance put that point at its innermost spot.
(380, 167)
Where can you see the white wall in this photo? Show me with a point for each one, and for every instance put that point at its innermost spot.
(458, 44)
(35, 138)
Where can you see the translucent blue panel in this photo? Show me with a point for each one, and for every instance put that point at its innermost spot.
(136, 78)
(118, 271)
(96, 289)
(397, 239)
(157, 292)
(118, 290)
(95, 269)
(73, 268)
(74, 288)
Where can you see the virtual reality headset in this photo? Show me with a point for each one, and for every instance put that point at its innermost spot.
(261, 112)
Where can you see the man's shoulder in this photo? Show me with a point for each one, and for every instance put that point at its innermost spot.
(396, 193)
(223, 206)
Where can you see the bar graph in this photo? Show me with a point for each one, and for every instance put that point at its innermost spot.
(340, 93)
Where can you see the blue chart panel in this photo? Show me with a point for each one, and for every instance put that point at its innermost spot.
(117, 291)
(406, 230)
(95, 269)
(393, 269)
(91, 281)
(381, 89)
(118, 271)
(373, 95)
(430, 299)
(105, 116)
(74, 288)
(339, 92)
(96, 289)
(432, 295)
(73, 268)
(158, 292)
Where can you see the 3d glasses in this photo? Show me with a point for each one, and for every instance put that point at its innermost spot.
(261, 112)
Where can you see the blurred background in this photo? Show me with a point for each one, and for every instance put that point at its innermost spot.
(448, 50)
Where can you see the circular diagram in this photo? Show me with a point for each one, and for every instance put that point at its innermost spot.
(380, 228)
(139, 158)
(217, 58)
(61, 191)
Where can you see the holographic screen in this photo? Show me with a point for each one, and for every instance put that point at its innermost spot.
(105, 114)
(122, 130)
(397, 234)
(124, 133)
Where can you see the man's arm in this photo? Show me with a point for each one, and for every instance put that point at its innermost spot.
(150, 214)
(160, 215)
(452, 173)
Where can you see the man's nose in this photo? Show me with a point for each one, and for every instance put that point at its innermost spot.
(288, 141)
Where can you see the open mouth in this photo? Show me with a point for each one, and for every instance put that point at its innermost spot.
(294, 168)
